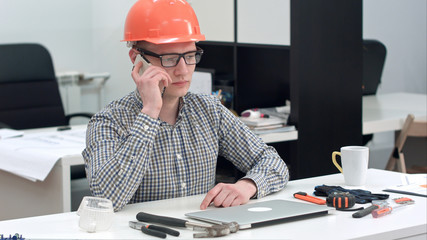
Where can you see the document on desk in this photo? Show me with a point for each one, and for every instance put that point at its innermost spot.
(34, 155)
(412, 184)
(10, 133)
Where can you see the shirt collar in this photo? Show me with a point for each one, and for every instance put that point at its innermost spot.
(181, 105)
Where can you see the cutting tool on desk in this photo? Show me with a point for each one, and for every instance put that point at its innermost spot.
(153, 230)
(304, 196)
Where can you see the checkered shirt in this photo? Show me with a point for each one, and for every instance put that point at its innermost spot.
(131, 157)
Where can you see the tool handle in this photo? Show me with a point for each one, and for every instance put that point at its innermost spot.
(365, 211)
(153, 232)
(304, 196)
(164, 229)
(169, 221)
(381, 212)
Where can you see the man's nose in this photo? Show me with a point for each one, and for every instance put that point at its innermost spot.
(181, 67)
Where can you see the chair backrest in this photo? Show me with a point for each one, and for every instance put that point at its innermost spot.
(29, 92)
(374, 54)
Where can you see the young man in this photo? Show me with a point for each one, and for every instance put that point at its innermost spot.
(161, 141)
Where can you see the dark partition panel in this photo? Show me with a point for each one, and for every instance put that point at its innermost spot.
(321, 73)
(326, 80)
(263, 76)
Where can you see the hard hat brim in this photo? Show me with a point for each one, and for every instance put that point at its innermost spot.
(164, 40)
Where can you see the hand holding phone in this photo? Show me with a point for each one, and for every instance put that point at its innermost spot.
(144, 67)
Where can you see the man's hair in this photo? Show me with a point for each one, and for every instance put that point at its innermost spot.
(137, 43)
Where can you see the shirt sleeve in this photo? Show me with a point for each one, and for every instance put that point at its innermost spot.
(251, 155)
(116, 157)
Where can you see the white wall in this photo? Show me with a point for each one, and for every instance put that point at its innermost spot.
(64, 27)
(81, 36)
(401, 26)
(85, 36)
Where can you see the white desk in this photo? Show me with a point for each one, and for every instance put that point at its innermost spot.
(380, 113)
(387, 112)
(52, 195)
(410, 221)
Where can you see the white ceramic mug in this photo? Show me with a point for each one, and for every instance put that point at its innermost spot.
(354, 160)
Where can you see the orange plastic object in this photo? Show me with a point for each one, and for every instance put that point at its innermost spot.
(381, 212)
(403, 200)
(305, 197)
(162, 21)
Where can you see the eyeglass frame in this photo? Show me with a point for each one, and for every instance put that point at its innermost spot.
(180, 55)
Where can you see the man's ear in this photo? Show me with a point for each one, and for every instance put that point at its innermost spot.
(132, 55)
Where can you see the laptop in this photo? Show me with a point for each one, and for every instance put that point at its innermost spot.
(261, 213)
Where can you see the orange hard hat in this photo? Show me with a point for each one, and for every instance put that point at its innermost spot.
(162, 21)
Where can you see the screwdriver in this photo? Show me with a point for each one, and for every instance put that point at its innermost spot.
(385, 210)
(375, 205)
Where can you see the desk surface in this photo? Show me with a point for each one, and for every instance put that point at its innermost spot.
(408, 221)
(387, 112)
(381, 113)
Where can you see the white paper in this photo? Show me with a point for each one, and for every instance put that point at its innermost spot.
(10, 133)
(34, 155)
(412, 184)
(262, 121)
(201, 83)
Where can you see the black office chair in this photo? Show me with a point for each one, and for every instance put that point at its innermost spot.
(374, 54)
(29, 91)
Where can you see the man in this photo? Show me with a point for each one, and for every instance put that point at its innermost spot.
(161, 141)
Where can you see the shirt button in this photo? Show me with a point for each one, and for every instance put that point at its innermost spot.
(179, 156)
(146, 127)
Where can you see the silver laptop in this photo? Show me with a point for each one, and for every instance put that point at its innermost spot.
(261, 213)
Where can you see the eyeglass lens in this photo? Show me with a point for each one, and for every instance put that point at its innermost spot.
(171, 60)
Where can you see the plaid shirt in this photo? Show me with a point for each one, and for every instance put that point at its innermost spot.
(131, 157)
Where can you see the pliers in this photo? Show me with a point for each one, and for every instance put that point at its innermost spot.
(153, 230)
(215, 230)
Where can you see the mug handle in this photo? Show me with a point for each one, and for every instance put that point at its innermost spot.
(334, 160)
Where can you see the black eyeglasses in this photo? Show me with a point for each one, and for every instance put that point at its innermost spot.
(172, 59)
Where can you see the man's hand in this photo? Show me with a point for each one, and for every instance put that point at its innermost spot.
(227, 195)
(150, 84)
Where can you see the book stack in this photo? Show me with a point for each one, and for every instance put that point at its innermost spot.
(272, 124)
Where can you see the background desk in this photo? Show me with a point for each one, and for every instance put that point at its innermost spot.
(384, 115)
(404, 222)
(387, 112)
(53, 195)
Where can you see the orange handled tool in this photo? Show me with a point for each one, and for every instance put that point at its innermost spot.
(304, 196)
(387, 209)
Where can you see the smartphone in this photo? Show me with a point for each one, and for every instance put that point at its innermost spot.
(145, 64)
(144, 67)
